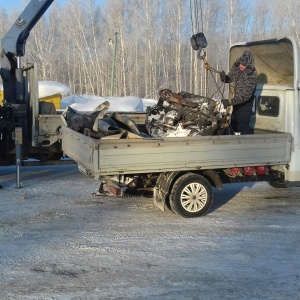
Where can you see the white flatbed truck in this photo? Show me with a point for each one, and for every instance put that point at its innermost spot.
(183, 170)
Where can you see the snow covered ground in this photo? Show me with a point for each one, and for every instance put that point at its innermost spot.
(58, 241)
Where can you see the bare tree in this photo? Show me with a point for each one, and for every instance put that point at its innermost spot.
(288, 15)
(70, 43)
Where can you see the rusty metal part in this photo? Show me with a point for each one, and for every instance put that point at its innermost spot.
(169, 96)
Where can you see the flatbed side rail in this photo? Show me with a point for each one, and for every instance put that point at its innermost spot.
(133, 156)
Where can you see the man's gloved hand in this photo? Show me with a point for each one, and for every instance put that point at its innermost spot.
(226, 103)
(222, 76)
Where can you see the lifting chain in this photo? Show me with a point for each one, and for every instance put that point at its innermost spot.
(209, 69)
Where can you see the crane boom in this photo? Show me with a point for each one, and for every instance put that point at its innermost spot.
(15, 39)
(13, 47)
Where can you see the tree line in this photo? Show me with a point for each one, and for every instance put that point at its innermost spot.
(147, 42)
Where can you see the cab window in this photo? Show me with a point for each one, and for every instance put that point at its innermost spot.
(268, 106)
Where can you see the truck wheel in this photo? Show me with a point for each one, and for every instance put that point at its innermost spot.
(278, 184)
(191, 196)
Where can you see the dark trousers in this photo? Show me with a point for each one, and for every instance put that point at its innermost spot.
(241, 115)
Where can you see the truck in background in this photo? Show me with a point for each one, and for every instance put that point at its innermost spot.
(37, 121)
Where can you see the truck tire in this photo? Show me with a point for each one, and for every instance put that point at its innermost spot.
(191, 196)
(278, 184)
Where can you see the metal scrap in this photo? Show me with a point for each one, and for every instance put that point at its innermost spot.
(184, 114)
(174, 115)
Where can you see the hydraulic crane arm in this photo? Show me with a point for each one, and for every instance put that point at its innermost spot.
(13, 46)
(13, 43)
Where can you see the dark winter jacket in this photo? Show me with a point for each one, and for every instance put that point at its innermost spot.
(244, 81)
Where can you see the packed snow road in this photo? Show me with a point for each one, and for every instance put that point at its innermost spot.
(58, 241)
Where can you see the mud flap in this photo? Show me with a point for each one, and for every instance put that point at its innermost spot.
(162, 189)
(159, 198)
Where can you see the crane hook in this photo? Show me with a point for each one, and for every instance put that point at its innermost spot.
(198, 42)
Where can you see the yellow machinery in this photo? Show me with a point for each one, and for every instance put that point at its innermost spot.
(55, 99)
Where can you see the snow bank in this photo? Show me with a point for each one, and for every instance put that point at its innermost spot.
(88, 103)
(122, 104)
(148, 102)
(84, 102)
(49, 88)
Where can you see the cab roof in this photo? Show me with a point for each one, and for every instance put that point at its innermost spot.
(276, 60)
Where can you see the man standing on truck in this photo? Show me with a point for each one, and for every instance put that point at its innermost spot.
(243, 75)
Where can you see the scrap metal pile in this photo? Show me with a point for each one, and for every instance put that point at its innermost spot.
(174, 115)
(185, 114)
(99, 125)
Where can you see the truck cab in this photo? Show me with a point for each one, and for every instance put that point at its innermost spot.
(276, 107)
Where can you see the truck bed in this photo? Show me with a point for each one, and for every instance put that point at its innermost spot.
(99, 157)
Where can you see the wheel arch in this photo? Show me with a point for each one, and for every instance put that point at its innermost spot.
(213, 178)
